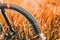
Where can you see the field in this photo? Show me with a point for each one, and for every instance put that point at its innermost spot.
(46, 12)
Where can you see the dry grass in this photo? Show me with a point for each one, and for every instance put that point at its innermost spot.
(46, 12)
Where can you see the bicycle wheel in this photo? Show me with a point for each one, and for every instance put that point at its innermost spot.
(25, 13)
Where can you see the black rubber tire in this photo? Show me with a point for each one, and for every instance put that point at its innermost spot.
(25, 13)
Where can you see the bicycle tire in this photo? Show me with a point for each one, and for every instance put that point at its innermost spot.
(25, 13)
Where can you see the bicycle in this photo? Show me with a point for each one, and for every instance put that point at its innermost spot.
(26, 14)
